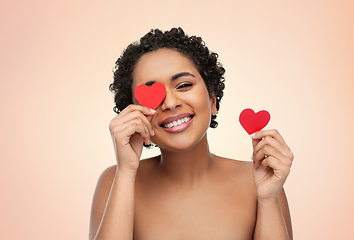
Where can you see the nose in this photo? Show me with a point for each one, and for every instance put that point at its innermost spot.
(171, 101)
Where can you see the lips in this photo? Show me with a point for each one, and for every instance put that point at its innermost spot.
(176, 121)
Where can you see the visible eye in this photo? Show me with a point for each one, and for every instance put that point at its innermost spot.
(184, 85)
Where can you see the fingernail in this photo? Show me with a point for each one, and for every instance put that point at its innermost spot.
(152, 110)
(252, 135)
(152, 133)
(252, 157)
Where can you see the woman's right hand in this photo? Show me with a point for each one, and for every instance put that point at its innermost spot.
(129, 129)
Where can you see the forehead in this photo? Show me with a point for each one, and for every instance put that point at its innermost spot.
(161, 64)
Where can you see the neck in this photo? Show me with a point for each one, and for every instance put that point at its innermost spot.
(189, 167)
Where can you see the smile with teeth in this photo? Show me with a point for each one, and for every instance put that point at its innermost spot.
(177, 122)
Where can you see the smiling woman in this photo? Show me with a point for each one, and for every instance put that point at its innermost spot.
(186, 192)
(186, 98)
(192, 47)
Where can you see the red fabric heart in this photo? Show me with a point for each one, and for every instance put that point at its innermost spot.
(152, 96)
(253, 122)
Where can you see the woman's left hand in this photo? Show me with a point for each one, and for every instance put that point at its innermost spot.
(272, 159)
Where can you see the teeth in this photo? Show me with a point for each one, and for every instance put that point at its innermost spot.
(177, 123)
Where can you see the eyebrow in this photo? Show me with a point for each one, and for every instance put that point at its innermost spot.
(181, 74)
(174, 77)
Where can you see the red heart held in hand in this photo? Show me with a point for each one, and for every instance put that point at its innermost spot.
(152, 96)
(253, 122)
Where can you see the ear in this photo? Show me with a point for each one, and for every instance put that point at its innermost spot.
(213, 105)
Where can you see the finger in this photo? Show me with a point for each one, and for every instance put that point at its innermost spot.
(147, 141)
(119, 125)
(280, 170)
(273, 133)
(134, 107)
(145, 135)
(123, 137)
(131, 112)
(268, 151)
(268, 140)
(149, 117)
(255, 142)
(138, 115)
(134, 116)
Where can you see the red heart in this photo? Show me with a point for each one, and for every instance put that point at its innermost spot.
(152, 96)
(253, 122)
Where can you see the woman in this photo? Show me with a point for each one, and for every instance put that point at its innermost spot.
(186, 192)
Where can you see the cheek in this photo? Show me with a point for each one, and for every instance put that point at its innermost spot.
(200, 103)
(202, 99)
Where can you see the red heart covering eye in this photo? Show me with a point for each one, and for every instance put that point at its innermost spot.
(152, 96)
(253, 122)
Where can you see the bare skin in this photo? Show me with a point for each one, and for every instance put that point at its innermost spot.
(187, 192)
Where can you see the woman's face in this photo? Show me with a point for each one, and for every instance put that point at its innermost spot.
(183, 117)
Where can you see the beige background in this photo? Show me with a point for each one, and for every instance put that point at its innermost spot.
(293, 58)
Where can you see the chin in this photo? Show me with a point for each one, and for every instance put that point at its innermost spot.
(179, 145)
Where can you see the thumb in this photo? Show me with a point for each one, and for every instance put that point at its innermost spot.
(150, 114)
(149, 117)
(255, 142)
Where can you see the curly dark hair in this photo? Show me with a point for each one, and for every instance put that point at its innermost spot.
(192, 47)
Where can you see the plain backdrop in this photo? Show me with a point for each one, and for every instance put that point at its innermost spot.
(292, 58)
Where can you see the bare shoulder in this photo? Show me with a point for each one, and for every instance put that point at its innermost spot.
(107, 176)
(103, 189)
(106, 179)
(237, 173)
(104, 183)
(234, 166)
(100, 197)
